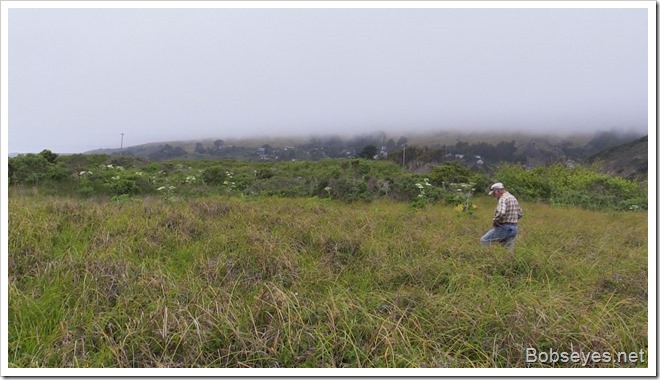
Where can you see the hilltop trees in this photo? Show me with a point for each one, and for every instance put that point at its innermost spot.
(504, 151)
(199, 148)
(168, 152)
(368, 152)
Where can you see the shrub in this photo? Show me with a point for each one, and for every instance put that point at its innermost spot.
(345, 189)
(527, 184)
(579, 186)
(450, 172)
(346, 180)
(264, 173)
(453, 172)
(86, 191)
(49, 156)
(28, 169)
(214, 175)
(124, 186)
(58, 173)
(276, 186)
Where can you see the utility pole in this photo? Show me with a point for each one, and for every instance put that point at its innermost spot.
(404, 156)
(121, 147)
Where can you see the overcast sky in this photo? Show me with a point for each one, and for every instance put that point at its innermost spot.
(78, 78)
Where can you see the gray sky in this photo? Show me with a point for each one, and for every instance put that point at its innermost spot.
(78, 78)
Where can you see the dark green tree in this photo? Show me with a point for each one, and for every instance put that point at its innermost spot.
(214, 175)
(28, 169)
(267, 149)
(451, 172)
(48, 155)
(369, 152)
(199, 148)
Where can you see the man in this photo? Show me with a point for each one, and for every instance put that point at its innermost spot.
(505, 222)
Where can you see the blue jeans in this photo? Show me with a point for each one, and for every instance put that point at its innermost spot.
(504, 234)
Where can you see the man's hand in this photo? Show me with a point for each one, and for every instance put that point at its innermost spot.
(495, 224)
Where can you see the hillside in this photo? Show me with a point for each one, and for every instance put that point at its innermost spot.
(477, 151)
(629, 160)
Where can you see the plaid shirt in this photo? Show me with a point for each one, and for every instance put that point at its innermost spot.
(508, 210)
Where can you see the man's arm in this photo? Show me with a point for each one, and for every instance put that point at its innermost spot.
(500, 212)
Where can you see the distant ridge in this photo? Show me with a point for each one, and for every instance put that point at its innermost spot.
(414, 138)
(619, 154)
(628, 160)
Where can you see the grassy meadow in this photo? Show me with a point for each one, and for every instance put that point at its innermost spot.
(216, 281)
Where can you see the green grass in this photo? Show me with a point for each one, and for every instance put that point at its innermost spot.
(269, 282)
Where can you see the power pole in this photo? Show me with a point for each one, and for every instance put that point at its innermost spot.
(404, 156)
(121, 147)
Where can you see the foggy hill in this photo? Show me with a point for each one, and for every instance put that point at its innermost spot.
(627, 160)
(488, 149)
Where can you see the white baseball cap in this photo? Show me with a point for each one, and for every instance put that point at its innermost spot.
(495, 186)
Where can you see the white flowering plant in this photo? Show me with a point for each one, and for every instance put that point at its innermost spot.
(426, 194)
(166, 191)
(461, 197)
(229, 183)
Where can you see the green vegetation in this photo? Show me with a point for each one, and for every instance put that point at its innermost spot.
(122, 262)
(218, 281)
(347, 180)
(578, 186)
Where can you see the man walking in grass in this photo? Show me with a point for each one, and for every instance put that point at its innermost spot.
(505, 222)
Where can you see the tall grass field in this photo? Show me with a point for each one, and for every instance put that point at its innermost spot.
(218, 281)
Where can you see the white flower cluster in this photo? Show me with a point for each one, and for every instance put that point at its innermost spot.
(460, 187)
(110, 166)
(422, 186)
(228, 182)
